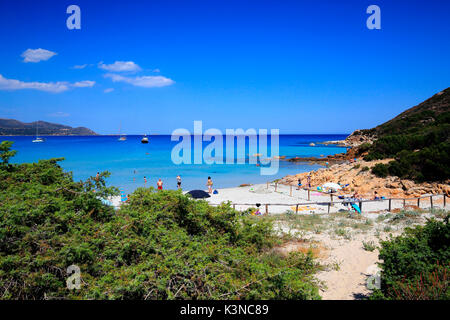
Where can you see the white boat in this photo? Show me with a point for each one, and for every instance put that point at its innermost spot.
(144, 139)
(121, 137)
(37, 139)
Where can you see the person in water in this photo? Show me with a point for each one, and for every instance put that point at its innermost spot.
(159, 184)
(209, 183)
(178, 182)
(145, 181)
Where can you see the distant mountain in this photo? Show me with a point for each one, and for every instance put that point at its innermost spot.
(13, 127)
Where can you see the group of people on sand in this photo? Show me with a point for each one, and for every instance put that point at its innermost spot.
(308, 182)
(159, 183)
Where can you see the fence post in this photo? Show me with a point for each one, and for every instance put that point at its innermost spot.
(267, 209)
(276, 184)
(329, 205)
(296, 208)
(331, 196)
(445, 196)
(291, 190)
(431, 201)
(360, 206)
(418, 203)
(267, 185)
(234, 206)
(390, 207)
(308, 195)
(404, 203)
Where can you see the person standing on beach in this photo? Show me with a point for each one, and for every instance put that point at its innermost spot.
(299, 184)
(309, 181)
(159, 184)
(209, 183)
(178, 182)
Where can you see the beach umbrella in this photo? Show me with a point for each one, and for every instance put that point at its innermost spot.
(199, 194)
(332, 185)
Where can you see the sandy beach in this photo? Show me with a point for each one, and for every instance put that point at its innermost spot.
(282, 200)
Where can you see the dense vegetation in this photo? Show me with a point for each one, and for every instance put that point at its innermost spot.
(162, 245)
(418, 140)
(416, 265)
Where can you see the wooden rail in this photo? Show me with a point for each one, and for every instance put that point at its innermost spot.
(331, 203)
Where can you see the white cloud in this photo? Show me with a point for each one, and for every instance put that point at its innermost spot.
(144, 81)
(59, 114)
(36, 55)
(54, 87)
(156, 70)
(84, 84)
(108, 90)
(120, 66)
(82, 66)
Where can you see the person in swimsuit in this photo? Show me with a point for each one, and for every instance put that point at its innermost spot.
(159, 184)
(178, 182)
(145, 181)
(209, 183)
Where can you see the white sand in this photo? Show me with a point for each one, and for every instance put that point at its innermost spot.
(259, 193)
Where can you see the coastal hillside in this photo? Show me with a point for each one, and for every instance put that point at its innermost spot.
(13, 127)
(417, 140)
(433, 112)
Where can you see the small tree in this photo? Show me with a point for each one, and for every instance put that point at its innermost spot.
(5, 151)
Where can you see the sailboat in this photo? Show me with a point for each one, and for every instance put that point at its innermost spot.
(121, 137)
(37, 139)
(144, 139)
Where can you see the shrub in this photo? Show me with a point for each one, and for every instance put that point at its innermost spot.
(369, 246)
(417, 263)
(380, 170)
(161, 245)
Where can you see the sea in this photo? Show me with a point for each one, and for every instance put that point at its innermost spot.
(130, 161)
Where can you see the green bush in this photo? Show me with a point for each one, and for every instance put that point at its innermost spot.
(416, 264)
(380, 170)
(161, 245)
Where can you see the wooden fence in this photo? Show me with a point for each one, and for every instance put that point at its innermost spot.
(330, 203)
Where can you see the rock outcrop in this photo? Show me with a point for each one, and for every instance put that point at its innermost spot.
(359, 178)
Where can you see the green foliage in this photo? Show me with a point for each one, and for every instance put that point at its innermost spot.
(418, 139)
(416, 264)
(161, 245)
(380, 170)
(5, 152)
(369, 246)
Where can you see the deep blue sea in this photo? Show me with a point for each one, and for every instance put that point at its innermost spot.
(129, 161)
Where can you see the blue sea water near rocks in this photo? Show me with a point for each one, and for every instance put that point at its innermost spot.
(129, 161)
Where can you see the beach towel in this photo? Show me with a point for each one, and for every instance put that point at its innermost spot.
(356, 207)
(302, 208)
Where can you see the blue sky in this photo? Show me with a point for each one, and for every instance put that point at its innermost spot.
(298, 66)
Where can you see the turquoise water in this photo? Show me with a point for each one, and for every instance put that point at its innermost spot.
(86, 155)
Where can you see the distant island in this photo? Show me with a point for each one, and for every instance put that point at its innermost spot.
(11, 127)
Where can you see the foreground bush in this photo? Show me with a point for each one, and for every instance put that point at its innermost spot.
(416, 265)
(162, 245)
